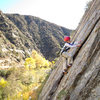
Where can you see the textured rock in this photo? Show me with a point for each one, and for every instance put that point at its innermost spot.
(83, 79)
(12, 44)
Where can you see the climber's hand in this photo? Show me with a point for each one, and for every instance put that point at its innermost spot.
(80, 41)
(78, 45)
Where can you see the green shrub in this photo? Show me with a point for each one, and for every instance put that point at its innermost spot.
(88, 5)
(5, 73)
(61, 94)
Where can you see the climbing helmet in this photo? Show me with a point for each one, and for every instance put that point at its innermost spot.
(66, 38)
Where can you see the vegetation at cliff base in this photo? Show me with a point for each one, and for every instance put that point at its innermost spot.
(26, 82)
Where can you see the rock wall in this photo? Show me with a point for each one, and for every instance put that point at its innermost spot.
(83, 79)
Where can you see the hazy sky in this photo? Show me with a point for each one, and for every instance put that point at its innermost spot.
(65, 13)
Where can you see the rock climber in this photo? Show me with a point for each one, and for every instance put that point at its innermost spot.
(66, 55)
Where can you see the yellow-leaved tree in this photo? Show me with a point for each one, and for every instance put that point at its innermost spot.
(3, 83)
(25, 82)
(38, 66)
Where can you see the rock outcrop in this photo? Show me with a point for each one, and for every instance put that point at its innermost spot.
(12, 49)
(83, 79)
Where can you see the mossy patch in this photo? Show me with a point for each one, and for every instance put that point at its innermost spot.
(62, 93)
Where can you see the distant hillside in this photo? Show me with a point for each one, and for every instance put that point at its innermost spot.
(46, 36)
(12, 43)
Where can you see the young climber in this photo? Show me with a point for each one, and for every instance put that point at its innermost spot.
(66, 54)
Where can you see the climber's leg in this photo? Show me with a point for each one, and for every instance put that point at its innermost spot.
(64, 57)
(69, 57)
(64, 64)
(70, 61)
(65, 54)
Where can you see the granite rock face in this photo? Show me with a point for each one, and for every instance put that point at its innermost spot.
(83, 79)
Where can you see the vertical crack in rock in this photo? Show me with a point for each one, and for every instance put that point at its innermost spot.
(86, 38)
(83, 77)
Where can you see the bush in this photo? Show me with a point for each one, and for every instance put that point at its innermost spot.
(25, 82)
(3, 84)
(5, 73)
(88, 5)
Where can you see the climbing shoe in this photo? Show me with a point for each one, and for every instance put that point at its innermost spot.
(65, 70)
(65, 73)
(68, 66)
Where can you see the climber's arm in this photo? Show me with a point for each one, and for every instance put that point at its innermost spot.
(73, 45)
(62, 49)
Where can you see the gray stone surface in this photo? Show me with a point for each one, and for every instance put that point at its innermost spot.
(83, 79)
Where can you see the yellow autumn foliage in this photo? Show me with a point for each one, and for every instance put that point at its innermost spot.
(27, 80)
(30, 63)
(3, 83)
(39, 60)
(25, 96)
(38, 66)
